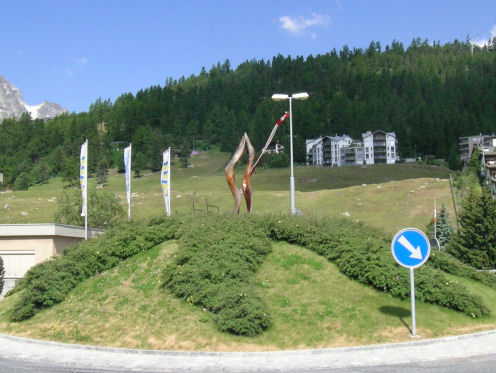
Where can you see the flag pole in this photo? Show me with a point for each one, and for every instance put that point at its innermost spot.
(127, 166)
(83, 180)
(168, 185)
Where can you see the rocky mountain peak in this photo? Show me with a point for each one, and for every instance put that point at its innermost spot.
(13, 105)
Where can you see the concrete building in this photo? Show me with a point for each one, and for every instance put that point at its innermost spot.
(24, 245)
(354, 153)
(467, 143)
(315, 151)
(333, 147)
(335, 151)
(380, 147)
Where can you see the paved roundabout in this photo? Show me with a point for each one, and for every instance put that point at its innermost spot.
(465, 353)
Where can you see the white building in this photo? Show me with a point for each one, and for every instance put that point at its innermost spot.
(374, 147)
(354, 153)
(315, 151)
(379, 147)
(333, 147)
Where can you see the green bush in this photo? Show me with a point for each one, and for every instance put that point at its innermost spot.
(363, 254)
(105, 210)
(49, 283)
(273, 160)
(449, 264)
(214, 268)
(22, 182)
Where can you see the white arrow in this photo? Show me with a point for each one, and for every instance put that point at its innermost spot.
(415, 252)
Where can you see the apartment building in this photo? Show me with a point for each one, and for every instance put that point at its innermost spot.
(327, 150)
(315, 151)
(380, 147)
(374, 147)
(467, 144)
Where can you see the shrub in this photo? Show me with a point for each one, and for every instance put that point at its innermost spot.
(273, 160)
(214, 269)
(449, 264)
(105, 209)
(363, 253)
(22, 182)
(49, 283)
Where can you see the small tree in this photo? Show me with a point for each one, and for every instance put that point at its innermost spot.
(475, 242)
(22, 182)
(104, 209)
(444, 227)
(70, 171)
(102, 170)
(139, 163)
(184, 155)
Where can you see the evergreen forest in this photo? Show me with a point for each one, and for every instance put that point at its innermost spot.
(427, 93)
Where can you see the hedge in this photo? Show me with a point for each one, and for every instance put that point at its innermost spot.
(363, 253)
(49, 283)
(214, 267)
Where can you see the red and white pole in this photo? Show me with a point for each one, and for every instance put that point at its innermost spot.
(271, 136)
(435, 219)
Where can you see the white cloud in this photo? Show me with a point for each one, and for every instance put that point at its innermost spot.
(68, 72)
(300, 25)
(83, 61)
(484, 42)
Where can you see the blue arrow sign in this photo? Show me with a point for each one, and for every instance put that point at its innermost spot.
(410, 247)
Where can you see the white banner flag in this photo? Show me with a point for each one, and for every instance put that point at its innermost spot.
(83, 176)
(165, 180)
(127, 167)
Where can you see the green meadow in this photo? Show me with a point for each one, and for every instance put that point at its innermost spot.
(386, 196)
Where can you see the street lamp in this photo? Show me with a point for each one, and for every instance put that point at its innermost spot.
(282, 97)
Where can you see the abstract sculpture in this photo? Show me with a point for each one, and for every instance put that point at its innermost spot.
(249, 169)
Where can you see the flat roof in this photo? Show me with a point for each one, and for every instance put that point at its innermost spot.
(46, 229)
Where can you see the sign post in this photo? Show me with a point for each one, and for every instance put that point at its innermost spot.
(411, 248)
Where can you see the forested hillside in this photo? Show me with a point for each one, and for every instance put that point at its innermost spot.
(429, 94)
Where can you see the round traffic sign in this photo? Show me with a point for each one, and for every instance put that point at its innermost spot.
(410, 247)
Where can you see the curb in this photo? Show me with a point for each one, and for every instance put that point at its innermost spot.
(385, 346)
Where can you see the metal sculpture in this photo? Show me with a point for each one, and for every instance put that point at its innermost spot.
(249, 169)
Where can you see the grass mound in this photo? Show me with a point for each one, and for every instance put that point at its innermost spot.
(218, 256)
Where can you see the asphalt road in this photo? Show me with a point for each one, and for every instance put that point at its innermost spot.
(462, 354)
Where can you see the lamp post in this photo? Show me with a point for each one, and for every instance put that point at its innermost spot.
(282, 97)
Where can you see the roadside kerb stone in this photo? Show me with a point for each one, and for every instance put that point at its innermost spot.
(32, 351)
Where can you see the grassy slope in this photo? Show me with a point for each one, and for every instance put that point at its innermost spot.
(405, 200)
(312, 303)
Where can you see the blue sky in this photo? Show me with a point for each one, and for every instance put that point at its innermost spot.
(72, 52)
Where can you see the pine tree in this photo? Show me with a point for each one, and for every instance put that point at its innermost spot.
(475, 242)
(444, 229)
